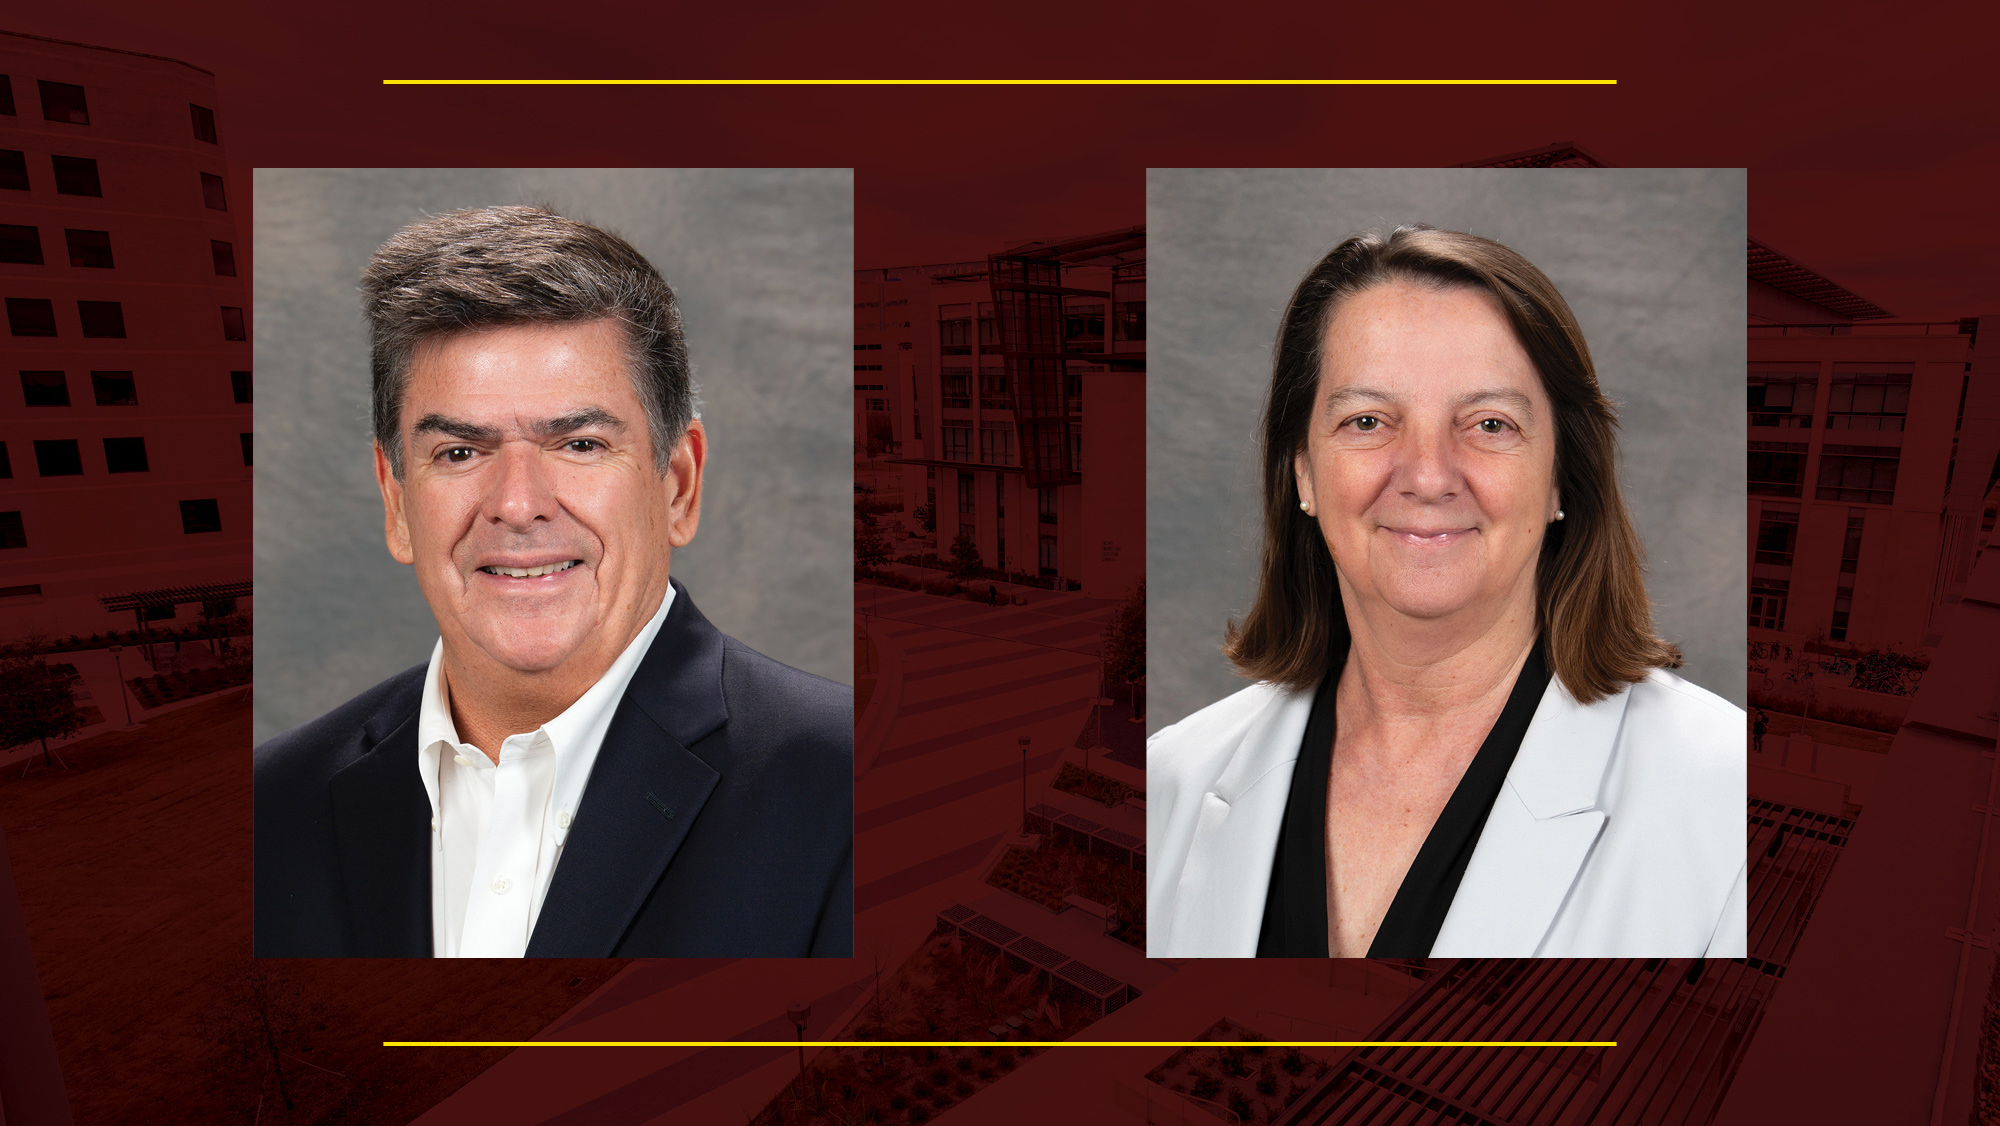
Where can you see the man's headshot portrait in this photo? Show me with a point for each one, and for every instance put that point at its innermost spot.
(544, 745)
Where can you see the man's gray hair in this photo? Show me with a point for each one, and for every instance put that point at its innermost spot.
(488, 266)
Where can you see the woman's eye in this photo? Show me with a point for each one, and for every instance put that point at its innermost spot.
(1367, 422)
(1491, 425)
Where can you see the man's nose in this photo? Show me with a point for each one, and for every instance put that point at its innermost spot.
(1427, 470)
(522, 489)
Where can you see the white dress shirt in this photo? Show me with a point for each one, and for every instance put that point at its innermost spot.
(497, 830)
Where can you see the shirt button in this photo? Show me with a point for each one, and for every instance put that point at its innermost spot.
(501, 885)
(562, 818)
(434, 824)
(461, 760)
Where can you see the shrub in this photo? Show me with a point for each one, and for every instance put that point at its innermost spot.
(1206, 1086)
(1294, 1062)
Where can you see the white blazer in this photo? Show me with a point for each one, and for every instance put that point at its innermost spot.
(1619, 832)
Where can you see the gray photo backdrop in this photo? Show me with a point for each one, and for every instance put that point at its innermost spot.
(1650, 259)
(762, 262)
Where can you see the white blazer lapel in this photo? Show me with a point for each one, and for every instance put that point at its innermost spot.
(1539, 832)
(1218, 907)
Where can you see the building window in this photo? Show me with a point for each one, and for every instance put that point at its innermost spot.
(1083, 328)
(1777, 469)
(246, 448)
(64, 102)
(996, 444)
(114, 389)
(957, 385)
(20, 245)
(1777, 536)
(12, 534)
(1850, 551)
(1782, 394)
(6, 465)
(1045, 505)
(103, 319)
(999, 494)
(7, 95)
(1047, 555)
(204, 122)
(1767, 602)
(1843, 608)
(239, 385)
(1868, 397)
(1129, 320)
(958, 443)
(31, 316)
(13, 170)
(58, 458)
(125, 455)
(916, 412)
(44, 389)
(213, 195)
(232, 323)
(955, 336)
(1864, 474)
(76, 175)
(1075, 450)
(89, 249)
(969, 531)
(966, 504)
(878, 406)
(225, 257)
(31, 590)
(1000, 549)
(199, 516)
(993, 393)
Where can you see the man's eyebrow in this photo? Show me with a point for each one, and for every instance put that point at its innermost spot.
(589, 418)
(454, 428)
(540, 429)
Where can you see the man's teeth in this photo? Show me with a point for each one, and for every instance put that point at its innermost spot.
(531, 572)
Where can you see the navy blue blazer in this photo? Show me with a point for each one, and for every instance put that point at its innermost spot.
(718, 820)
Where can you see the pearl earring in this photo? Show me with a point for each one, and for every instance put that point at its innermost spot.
(1560, 514)
(1305, 508)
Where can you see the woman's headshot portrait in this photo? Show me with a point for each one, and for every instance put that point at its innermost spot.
(1449, 665)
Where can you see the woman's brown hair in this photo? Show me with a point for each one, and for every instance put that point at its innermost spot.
(1595, 619)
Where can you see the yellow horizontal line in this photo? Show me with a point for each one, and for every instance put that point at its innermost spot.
(999, 82)
(999, 1043)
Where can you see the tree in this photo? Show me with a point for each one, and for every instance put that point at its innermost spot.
(35, 703)
(966, 553)
(871, 547)
(926, 518)
(1125, 639)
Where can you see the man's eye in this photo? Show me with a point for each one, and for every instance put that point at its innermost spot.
(1492, 425)
(458, 454)
(584, 445)
(1367, 422)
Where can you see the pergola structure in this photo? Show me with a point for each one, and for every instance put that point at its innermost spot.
(140, 601)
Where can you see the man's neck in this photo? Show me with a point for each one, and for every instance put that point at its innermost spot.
(490, 701)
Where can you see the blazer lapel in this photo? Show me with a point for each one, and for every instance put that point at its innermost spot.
(1539, 832)
(381, 819)
(645, 791)
(1218, 908)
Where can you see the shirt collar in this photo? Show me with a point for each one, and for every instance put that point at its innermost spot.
(576, 734)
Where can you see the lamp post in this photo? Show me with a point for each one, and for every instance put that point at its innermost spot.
(1024, 741)
(119, 661)
(800, 1012)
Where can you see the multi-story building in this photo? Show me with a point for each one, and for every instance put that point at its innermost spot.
(1865, 482)
(125, 399)
(1012, 392)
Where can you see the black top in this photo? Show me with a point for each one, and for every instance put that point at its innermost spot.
(1295, 908)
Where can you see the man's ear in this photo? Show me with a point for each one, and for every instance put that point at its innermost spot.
(395, 526)
(684, 472)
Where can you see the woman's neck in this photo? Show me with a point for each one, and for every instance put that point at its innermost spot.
(1413, 675)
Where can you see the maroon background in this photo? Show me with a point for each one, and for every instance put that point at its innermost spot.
(1870, 142)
